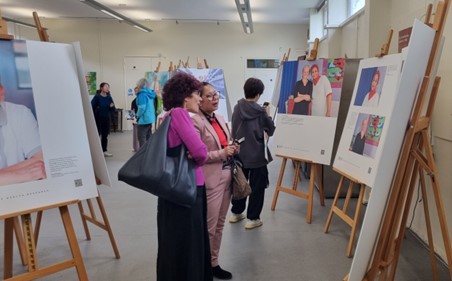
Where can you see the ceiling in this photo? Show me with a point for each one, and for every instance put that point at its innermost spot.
(263, 11)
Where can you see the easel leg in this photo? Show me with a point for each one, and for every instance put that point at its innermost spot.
(73, 244)
(8, 251)
(320, 184)
(30, 243)
(20, 240)
(442, 222)
(107, 226)
(311, 192)
(38, 225)
(84, 221)
(356, 218)
(297, 175)
(348, 196)
(278, 183)
(336, 197)
(428, 224)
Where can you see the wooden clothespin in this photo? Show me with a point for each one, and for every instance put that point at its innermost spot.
(205, 63)
(180, 63)
(43, 36)
(314, 50)
(385, 48)
(171, 67)
(186, 63)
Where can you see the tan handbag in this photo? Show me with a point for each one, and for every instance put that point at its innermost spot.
(240, 186)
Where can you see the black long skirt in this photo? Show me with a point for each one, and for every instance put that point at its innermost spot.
(183, 241)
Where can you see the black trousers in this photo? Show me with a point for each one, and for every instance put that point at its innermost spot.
(183, 241)
(103, 128)
(258, 179)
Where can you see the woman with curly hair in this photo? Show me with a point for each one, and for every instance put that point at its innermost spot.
(183, 240)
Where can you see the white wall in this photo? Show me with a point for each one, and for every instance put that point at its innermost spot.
(105, 43)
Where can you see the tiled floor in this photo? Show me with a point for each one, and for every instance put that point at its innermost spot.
(285, 248)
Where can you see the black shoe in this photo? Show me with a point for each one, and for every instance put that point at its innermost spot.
(220, 273)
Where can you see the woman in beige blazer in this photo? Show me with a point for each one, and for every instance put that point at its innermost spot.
(215, 134)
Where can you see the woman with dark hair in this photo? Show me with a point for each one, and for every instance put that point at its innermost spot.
(183, 241)
(103, 107)
(251, 121)
(215, 134)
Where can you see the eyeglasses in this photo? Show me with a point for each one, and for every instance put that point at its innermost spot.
(212, 96)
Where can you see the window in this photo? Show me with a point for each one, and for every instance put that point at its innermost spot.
(354, 6)
(262, 63)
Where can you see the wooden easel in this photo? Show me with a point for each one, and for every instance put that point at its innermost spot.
(34, 271)
(416, 159)
(342, 213)
(315, 172)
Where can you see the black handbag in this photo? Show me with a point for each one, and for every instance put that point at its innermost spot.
(166, 173)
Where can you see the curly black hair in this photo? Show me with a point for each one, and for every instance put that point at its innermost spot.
(176, 89)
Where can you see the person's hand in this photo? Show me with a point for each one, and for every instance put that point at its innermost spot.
(230, 150)
(328, 113)
(112, 104)
(28, 170)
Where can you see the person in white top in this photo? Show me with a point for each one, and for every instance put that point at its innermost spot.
(373, 98)
(321, 93)
(21, 158)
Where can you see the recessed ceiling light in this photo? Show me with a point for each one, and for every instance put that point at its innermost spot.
(122, 5)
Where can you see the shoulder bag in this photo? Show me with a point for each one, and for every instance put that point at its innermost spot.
(166, 173)
(240, 186)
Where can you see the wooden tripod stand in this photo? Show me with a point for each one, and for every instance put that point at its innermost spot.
(416, 159)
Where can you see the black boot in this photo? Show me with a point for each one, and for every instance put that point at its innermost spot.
(219, 273)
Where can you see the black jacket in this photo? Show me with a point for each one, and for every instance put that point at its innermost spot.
(250, 120)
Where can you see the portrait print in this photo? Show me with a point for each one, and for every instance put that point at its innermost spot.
(21, 156)
(370, 87)
(367, 134)
(311, 88)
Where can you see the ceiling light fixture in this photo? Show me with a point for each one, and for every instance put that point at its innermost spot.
(19, 22)
(244, 10)
(98, 6)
